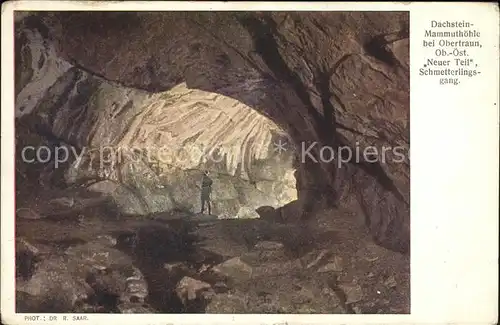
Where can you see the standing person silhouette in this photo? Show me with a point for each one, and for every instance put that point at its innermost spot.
(206, 191)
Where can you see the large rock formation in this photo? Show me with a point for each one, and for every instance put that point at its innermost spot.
(147, 150)
(331, 79)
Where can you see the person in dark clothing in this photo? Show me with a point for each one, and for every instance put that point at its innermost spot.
(206, 191)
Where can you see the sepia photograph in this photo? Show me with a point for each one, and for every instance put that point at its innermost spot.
(218, 162)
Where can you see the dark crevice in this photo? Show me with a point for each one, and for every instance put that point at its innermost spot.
(152, 247)
(320, 27)
(332, 283)
(262, 32)
(102, 297)
(377, 47)
(374, 169)
(330, 120)
(148, 88)
(35, 22)
(341, 60)
(266, 46)
(25, 264)
(233, 48)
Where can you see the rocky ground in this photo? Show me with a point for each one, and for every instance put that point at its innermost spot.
(75, 254)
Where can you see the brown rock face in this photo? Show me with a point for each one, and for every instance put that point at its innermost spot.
(329, 79)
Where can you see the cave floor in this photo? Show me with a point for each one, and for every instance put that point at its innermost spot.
(199, 264)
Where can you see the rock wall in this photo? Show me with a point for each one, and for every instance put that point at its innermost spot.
(148, 150)
(338, 78)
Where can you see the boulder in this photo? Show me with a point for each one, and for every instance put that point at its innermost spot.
(124, 199)
(189, 289)
(54, 288)
(333, 266)
(235, 269)
(353, 292)
(247, 213)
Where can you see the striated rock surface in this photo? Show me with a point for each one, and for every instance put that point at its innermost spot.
(336, 78)
(147, 150)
